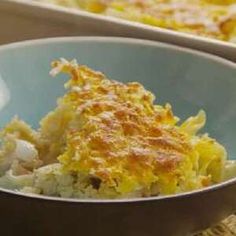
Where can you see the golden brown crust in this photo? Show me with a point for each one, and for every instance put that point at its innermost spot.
(122, 130)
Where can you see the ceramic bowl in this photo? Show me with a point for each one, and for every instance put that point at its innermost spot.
(187, 79)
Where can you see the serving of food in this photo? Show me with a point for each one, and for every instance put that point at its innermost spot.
(209, 18)
(107, 139)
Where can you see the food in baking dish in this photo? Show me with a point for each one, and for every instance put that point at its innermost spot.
(107, 139)
(209, 18)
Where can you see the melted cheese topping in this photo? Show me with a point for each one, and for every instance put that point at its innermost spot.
(115, 133)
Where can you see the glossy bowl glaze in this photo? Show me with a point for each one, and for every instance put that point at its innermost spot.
(187, 79)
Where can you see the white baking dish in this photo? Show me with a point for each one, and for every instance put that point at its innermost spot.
(26, 19)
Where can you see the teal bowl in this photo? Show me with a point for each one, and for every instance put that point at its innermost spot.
(187, 79)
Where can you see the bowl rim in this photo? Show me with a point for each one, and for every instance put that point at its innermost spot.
(127, 41)
(121, 40)
(133, 24)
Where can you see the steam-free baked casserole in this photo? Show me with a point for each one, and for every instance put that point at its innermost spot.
(107, 139)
